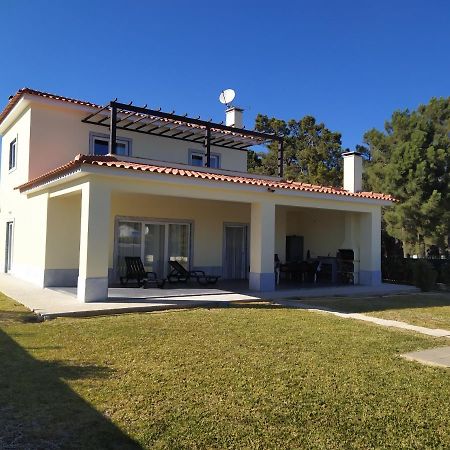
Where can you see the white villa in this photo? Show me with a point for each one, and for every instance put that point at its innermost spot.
(73, 204)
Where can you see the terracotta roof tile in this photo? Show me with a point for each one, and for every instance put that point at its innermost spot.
(113, 162)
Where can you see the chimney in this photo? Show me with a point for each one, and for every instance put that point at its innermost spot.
(233, 116)
(352, 171)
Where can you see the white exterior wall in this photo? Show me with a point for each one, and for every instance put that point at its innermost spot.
(207, 220)
(323, 231)
(58, 135)
(280, 232)
(29, 215)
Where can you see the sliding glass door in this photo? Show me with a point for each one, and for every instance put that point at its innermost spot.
(129, 243)
(178, 248)
(155, 242)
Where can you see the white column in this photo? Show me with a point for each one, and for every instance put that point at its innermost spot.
(94, 242)
(280, 232)
(370, 247)
(262, 247)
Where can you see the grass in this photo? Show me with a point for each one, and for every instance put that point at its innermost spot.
(431, 310)
(236, 378)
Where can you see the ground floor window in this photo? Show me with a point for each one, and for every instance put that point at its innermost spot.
(155, 242)
(8, 245)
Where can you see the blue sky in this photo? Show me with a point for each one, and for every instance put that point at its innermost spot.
(348, 63)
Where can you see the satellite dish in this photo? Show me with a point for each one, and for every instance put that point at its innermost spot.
(227, 96)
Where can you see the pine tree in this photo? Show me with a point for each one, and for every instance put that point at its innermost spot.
(411, 160)
(312, 153)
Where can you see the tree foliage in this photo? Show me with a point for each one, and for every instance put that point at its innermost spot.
(410, 159)
(312, 153)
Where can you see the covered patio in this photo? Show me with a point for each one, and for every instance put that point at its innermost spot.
(235, 240)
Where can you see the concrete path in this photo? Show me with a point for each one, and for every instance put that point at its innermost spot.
(336, 291)
(439, 356)
(436, 332)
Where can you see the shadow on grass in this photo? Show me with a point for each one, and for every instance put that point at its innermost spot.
(378, 304)
(18, 316)
(39, 411)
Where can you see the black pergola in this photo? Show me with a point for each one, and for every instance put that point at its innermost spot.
(120, 116)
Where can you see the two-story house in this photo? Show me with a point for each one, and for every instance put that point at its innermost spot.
(73, 204)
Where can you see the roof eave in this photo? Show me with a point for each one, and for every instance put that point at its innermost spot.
(84, 169)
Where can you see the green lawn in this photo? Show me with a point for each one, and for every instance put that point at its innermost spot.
(430, 310)
(242, 377)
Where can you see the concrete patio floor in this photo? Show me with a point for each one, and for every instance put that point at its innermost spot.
(59, 302)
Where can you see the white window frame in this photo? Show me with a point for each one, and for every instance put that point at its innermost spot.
(203, 156)
(13, 167)
(105, 137)
(193, 153)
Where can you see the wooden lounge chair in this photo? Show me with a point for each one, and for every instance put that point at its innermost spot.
(179, 273)
(136, 271)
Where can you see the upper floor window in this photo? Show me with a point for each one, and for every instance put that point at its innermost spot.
(196, 159)
(99, 145)
(13, 154)
(199, 159)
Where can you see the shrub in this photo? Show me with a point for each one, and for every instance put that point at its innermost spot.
(398, 270)
(424, 275)
(444, 274)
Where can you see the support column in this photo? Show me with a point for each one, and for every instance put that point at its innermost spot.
(262, 247)
(94, 242)
(280, 232)
(370, 247)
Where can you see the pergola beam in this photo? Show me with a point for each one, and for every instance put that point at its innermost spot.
(211, 133)
(202, 123)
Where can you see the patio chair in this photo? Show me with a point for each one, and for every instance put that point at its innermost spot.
(136, 271)
(179, 273)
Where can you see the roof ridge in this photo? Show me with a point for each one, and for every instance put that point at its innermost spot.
(14, 99)
(27, 90)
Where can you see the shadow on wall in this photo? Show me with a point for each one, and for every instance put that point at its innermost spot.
(38, 410)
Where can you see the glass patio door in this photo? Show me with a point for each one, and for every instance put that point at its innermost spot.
(154, 242)
(129, 240)
(235, 247)
(178, 245)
